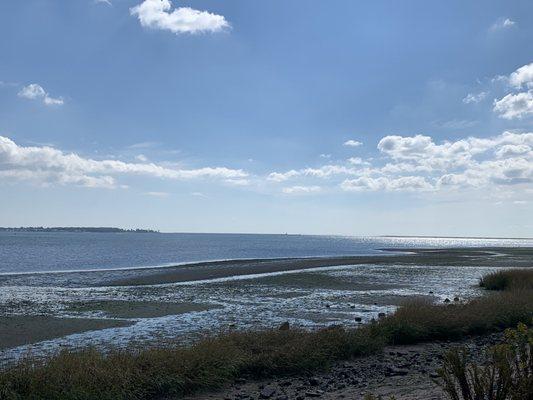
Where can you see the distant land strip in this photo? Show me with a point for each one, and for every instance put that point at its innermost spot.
(76, 229)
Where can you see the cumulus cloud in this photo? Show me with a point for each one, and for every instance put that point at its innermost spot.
(301, 189)
(523, 76)
(515, 106)
(352, 143)
(34, 91)
(158, 14)
(282, 176)
(47, 165)
(420, 164)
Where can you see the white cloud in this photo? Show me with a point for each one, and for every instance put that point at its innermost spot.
(474, 97)
(523, 76)
(418, 163)
(352, 143)
(282, 176)
(141, 158)
(158, 14)
(47, 165)
(357, 161)
(301, 189)
(108, 2)
(237, 182)
(515, 106)
(33, 91)
(405, 183)
(502, 23)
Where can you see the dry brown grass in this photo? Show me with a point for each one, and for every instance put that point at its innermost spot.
(420, 320)
(508, 279)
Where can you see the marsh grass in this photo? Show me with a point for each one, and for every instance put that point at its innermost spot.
(508, 279)
(420, 320)
(174, 371)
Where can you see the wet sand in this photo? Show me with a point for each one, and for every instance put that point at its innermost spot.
(19, 330)
(496, 256)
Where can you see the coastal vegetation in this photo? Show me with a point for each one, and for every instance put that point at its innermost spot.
(173, 371)
(508, 279)
(507, 375)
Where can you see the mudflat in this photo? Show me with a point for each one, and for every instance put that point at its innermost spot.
(18, 330)
(139, 309)
(486, 256)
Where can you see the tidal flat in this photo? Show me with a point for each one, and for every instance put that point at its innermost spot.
(139, 307)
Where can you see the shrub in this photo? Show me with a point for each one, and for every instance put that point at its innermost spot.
(507, 376)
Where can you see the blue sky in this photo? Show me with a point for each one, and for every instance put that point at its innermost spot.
(343, 117)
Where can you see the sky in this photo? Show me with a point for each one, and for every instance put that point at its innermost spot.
(312, 117)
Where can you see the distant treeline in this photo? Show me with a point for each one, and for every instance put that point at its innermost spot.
(76, 229)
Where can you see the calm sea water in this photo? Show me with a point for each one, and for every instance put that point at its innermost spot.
(42, 252)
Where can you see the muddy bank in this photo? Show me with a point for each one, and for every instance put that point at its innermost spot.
(19, 330)
(510, 257)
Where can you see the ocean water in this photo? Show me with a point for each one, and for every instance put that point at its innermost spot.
(26, 252)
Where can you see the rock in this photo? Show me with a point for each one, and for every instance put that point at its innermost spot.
(391, 371)
(267, 393)
(456, 299)
(381, 315)
(431, 292)
(358, 319)
(314, 382)
(352, 306)
(284, 326)
(328, 306)
(317, 393)
(446, 300)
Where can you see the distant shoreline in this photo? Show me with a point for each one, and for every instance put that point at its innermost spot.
(74, 229)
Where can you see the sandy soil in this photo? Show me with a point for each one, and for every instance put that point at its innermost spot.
(18, 330)
(511, 257)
